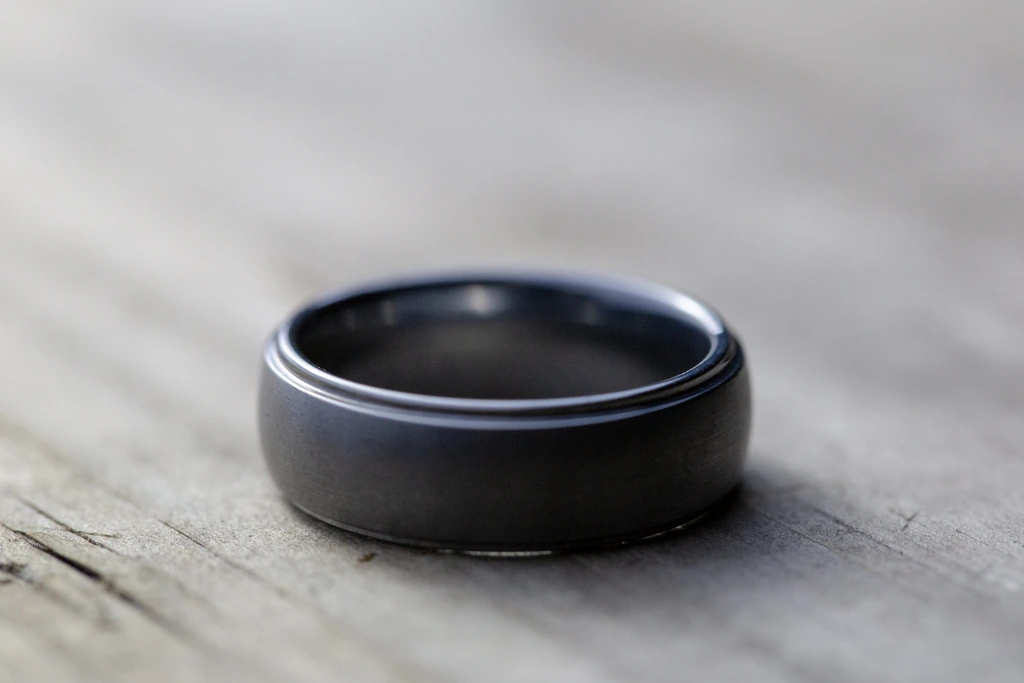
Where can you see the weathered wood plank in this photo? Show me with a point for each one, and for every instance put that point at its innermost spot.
(844, 182)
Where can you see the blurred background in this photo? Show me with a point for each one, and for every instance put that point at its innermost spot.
(843, 180)
(790, 149)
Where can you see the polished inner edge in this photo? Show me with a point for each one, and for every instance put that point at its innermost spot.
(501, 340)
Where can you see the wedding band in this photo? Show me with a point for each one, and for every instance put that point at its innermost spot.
(505, 412)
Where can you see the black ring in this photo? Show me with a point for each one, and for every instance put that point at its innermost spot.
(505, 412)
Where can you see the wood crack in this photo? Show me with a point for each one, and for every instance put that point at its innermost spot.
(878, 543)
(22, 435)
(87, 536)
(910, 520)
(231, 563)
(407, 668)
(106, 583)
(837, 551)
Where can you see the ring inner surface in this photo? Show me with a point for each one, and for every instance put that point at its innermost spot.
(508, 341)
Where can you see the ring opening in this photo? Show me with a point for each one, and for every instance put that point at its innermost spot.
(501, 340)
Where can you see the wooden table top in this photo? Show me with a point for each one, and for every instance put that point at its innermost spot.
(843, 182)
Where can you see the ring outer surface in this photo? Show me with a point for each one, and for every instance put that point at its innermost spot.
(504, 476)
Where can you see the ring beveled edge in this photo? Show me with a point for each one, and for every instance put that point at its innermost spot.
(281, 356)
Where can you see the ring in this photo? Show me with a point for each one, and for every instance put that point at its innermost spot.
(505, 412)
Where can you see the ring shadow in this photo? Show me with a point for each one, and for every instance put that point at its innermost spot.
(744, 546)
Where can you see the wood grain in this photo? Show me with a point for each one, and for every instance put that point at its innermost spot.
(844, 182)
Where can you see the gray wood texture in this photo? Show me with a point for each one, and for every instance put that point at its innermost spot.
(843, 180)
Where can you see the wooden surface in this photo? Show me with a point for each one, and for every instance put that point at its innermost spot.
(845, 183)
